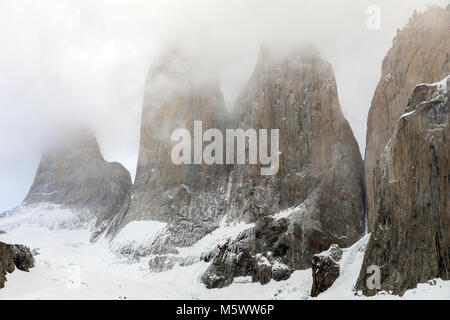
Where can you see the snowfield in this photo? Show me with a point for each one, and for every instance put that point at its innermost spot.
(69, 266)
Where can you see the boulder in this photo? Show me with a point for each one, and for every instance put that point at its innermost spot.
(23, 258)
(317, 198)
(325, 269)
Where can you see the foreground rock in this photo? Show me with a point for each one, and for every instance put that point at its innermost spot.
(411, 239)
(325, 269)
(14, 256)
(163, 263)
(320, 182)
(420, 54)
(74, 174)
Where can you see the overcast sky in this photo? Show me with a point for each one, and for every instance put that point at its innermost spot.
(85, 61)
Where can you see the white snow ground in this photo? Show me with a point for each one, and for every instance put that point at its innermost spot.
(70, 267)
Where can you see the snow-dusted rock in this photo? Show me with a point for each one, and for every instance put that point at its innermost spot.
(317, 197)
(411, 239)
(420, 53)
(161, 263)
(72, 174)
(325, 269)
(190, 199)
(14, 256)
(319, 161)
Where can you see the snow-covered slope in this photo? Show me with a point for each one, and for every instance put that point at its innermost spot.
(69, 266)
(45, 215)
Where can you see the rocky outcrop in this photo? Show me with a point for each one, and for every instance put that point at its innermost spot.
(420, 54)
(319, 182)
(325, 269)
(14, 256)
(260, 253)
(74, 174)
(411, 239)
(23, 258)
(190, 198)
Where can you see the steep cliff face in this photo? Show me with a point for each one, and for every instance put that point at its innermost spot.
(296, 93)
(320, 181)
(420, 54)
(411, 239)
(190, 198)
(74, 175)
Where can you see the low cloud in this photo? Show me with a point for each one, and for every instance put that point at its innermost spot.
(68, 62)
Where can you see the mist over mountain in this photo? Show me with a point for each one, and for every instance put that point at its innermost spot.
(68, 62)
(103, 92)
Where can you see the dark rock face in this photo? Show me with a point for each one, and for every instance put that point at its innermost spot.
(75, 175)
(190, 198)
(411, 239)
(320, 176)
(420, 54)
(325, 269)
(296, 93)
(12, 256)
(165, 262)
(260, 253)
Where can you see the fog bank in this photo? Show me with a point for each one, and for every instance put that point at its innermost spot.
(67, 63)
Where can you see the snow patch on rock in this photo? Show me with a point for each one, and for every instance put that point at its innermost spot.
(137, 236)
